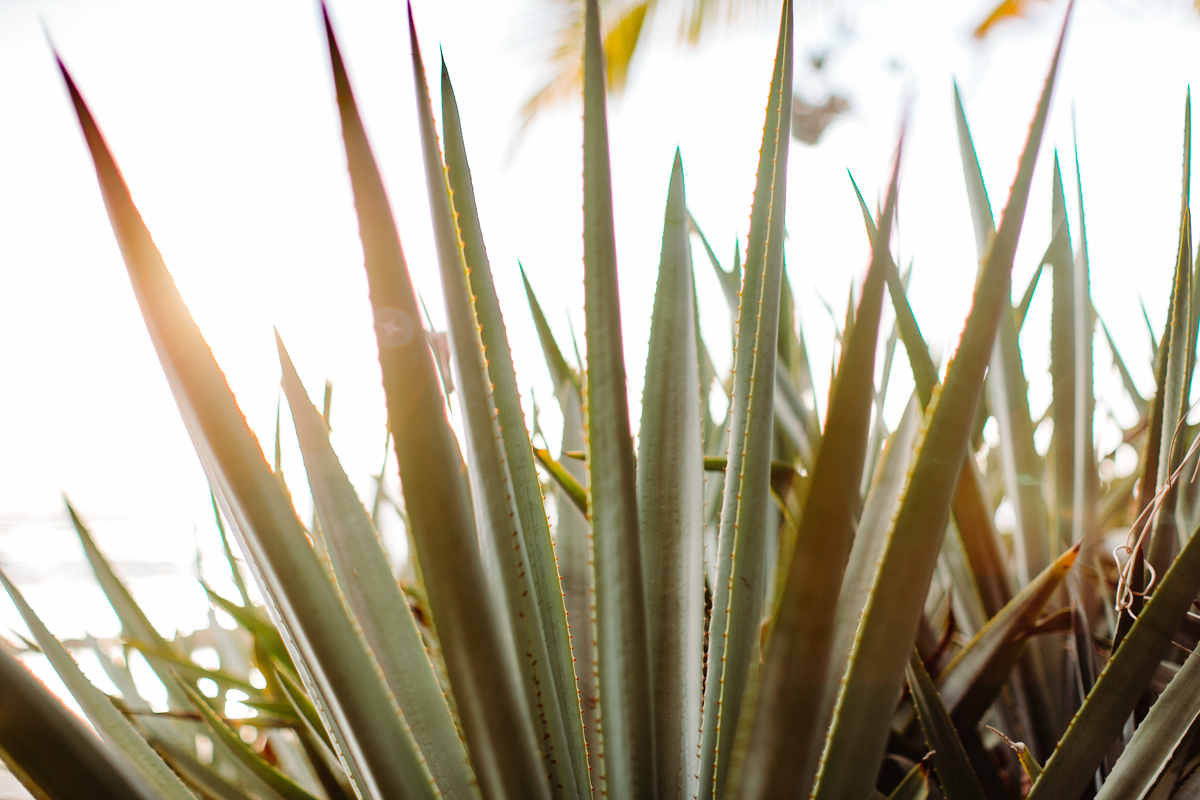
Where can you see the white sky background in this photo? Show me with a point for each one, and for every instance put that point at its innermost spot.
(221, 115)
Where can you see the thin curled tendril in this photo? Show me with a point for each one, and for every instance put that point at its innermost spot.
(1142, 525)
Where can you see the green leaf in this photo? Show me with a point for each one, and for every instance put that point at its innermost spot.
(567, 482)
(561, 372)
(1085, 478)
(128, 745)
(1157, 738)
(278, 783)
(780, 470)
(915, 785)
(925, 372)
(972, 512)
(875, 677)
(1008, 401)
(740, 586)
(1165, 539)
(1147, 483)
(792, 714)
(878, 426)
(235, 571)
(325, 765)
(730, 284)
(315, 739)
(204, 779)
(365, 577)
(486, 688)
(370, 730)
(255, 623)
(1062, 367)
(949, 757)
(622, 645)
(982, 220)
(134, 622)
(300, 703)
(976, 675)
(1008, 391)
(671, 507)
(1022, 309)
(185, 667)
(1194, 311)
(535, 591)
(870, 539)
(1033, 770)
(38, 735)
(1119, 687)
(1150, 331)
(1131, 389)
(573, 537)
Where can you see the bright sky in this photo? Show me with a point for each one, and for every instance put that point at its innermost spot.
(221, 115)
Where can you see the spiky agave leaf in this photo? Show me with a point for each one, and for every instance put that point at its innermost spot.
(738, 593)
(875, 675)
(38, 735)
(540, 595)
(366, 581)
(950, 760)
(792, 712)
(671, 507)
(487, 691)
(1157, 738)
(372, 737)
(129, 748)
(622, 647)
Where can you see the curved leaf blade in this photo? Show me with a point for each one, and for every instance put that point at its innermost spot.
(374, 596)
(949, 756)
(502, 534)
(671, 507)
(1008, 391)
(738, 592)
(1165, 539)
(793, 706)
(622, 645)
(110, 723)
(202, 777)
(134, 622)
(37, 732)
(486, 690)
(539, 595)
(1119, 687)
(278, 783)
(370, 730)
(915, 785)
(1157, 738)
(876, 673)
(973, 679)
(972, 511)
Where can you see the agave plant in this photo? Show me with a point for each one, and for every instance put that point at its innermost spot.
(775, 604)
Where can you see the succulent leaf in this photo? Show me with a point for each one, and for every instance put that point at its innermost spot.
(739, 589)
(671, 507)
(875, 675)
(622, 646)
(371, 732)
(950, 760)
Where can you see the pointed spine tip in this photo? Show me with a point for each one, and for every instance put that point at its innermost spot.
(325, 19)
